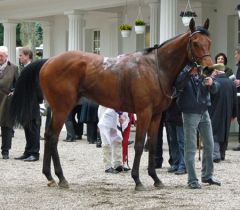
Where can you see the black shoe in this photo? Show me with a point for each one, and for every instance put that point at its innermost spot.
(70, 140)
(181, 172)
(111, 170)
(218, 160)
(21, 157)
(130, 142)
(194, 185)
(5, 156)
(212, 181)
(98, 144)
(236, 148)
(77, 137)
(172, 169)
(31, 158)
(119, 169)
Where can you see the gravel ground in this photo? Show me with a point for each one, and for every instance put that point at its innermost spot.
(23, 186)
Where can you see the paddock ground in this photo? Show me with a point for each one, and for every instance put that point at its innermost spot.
(23, 186)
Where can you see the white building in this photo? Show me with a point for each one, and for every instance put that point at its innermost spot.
(78, 24)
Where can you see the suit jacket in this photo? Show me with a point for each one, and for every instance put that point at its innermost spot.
(8, 80)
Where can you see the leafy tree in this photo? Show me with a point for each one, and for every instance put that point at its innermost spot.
(1, 34)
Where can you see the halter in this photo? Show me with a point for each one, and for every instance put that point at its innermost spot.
(195, 59)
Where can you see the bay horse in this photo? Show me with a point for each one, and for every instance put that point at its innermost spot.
(139, 83)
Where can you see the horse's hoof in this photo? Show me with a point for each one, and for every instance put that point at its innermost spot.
(140, 188)
(52, 183)
(63, 184)
(158, 184)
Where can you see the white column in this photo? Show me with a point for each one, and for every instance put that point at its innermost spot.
(10, 39)
(114, 41)
(154, 21)
(47, 39)
(76, 26)
(168, 21)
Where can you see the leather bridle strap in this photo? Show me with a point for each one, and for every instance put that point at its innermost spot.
(195, 59)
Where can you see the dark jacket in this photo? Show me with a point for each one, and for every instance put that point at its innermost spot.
(194, 95)
(223, 108)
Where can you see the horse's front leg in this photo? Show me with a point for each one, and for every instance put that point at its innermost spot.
(152, 142)
(143, 120)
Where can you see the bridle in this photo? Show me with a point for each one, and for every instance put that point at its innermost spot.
(195, 59)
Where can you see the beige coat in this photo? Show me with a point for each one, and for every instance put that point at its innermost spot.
(7, 82)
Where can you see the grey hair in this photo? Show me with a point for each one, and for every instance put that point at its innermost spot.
(237, 49)
(4, 49)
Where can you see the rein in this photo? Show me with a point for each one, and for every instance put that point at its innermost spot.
(194, 59)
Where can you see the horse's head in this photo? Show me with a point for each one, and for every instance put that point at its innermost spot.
(199, 44)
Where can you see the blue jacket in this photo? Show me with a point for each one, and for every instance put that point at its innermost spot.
(194, 95)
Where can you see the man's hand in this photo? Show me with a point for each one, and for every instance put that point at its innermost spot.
(237, 82)
(194, 71)
(208, 81)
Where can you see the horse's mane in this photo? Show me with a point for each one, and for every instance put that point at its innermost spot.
(156, 46)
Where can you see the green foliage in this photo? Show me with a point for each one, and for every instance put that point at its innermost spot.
(18, 39)
(125, 27)
(188, 14)
(1, 34)
(24, 35)
(139, 22)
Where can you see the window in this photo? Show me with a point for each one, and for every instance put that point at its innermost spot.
(96, 42)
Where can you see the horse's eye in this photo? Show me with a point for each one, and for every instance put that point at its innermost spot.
(195, 44)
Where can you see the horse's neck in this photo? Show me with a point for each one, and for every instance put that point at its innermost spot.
(172, 58)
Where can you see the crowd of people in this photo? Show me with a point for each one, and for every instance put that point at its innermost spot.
(204, 106)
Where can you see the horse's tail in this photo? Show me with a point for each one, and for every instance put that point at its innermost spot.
(27, 94)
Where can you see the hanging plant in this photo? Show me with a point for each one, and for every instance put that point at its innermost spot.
(125, 30)
(139, 26)
(187, 14)
(238, 9)
(139, 22)
(124, 27)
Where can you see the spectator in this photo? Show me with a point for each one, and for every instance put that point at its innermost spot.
(89, 115)
(222, 111)
(109, 123)
(193, 101)
(32, 130)
(8, 78)
(222, 59)
(237, 83)
(176, 141)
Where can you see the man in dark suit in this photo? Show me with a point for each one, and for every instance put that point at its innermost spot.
(8, 78)
(237, 83)
(32, 130)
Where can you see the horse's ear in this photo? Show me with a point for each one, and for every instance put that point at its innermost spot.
(206, 24)
(192, 25)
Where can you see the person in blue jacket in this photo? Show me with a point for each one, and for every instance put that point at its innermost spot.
(193, 100)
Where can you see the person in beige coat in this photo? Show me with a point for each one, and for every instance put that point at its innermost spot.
(8, 78)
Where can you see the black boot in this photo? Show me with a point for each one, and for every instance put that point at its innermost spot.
(99, 142)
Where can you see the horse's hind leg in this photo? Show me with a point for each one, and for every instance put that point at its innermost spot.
(47, 159)
(152, 142)
(51, 150)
